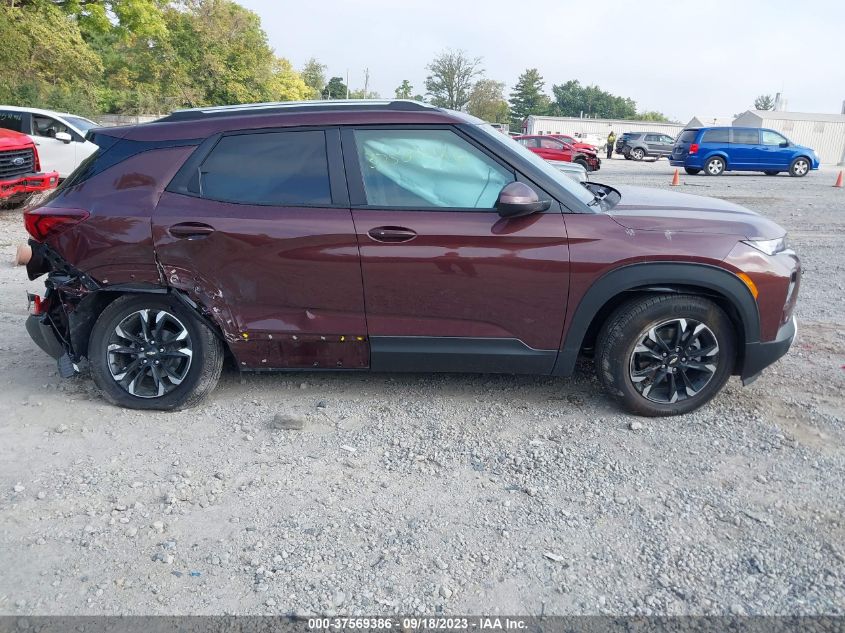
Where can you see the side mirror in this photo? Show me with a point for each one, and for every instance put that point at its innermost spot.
(517, 199)
(64, 137)
(785, 144)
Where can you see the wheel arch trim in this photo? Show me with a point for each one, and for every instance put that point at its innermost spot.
(655, 277)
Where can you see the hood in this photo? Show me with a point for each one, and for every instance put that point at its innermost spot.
(657, 210)
(14, 140)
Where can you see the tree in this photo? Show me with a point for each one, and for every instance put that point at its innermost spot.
(335, 89)
(363, 94)
(404, 91)
(573, 99)
(487, 101)
(652, 115)
(527, 97)
(764, 102)
(314, 75)
(451, 79)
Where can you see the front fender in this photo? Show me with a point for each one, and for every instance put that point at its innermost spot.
(652, 275)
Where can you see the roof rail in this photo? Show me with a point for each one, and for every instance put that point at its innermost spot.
(295, 106)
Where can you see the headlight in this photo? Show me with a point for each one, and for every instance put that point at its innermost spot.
(769, 247)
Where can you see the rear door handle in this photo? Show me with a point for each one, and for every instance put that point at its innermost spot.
(391, 234)
(190, 230)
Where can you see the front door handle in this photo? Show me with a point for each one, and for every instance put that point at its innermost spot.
(190, 230)
(391, 234)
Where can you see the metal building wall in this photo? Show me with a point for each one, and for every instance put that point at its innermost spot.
(827, 137)
(600, 127)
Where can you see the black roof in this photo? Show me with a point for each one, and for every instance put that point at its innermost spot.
(296, 106)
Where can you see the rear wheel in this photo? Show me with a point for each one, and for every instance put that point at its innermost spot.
(692, 171)
(638, 153)
(665, 354)
(714, 167)
(799, 167)
(150, 352)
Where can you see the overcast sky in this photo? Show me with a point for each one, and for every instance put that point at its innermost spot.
(681, 58)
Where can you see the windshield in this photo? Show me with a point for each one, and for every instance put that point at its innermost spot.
(567, 183)
(83, 125)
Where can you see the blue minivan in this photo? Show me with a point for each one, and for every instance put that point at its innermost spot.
(715, 150)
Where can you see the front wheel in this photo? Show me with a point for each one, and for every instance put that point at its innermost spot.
(151, 352)
(692, 171)
(714, 167)
(771, 172)
(799, 167)
(665, 354)
(583, 163)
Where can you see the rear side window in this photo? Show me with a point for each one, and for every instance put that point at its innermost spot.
(11, 120)
(716, 136)
(277, 168)
(745, 137)
(687, 136)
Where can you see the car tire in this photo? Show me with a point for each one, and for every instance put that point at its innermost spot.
(771, 172)
(583, 163)
(135, 371)
(715, 166)
(638, 153)
(17, 200)
(692, 171)
(799, 167)
(627, 156)
(637, 339)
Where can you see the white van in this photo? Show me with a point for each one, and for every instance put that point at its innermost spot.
(60, 137)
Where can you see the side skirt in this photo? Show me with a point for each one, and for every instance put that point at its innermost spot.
(458, 354)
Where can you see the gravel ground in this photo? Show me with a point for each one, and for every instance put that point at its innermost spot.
(456, 494)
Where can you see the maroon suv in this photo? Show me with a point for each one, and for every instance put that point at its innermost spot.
(391, 236)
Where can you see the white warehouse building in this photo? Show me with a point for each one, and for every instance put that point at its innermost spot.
(594, 129)
(825, 133)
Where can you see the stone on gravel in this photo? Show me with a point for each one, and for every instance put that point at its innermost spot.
(287, 422)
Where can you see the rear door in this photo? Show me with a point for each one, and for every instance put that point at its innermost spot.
(744, 149)
(450, 285)
(257, 227)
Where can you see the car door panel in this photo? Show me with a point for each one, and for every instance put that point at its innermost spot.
(248, 264)
(470, 291)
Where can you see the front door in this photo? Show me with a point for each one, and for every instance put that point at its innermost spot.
(774, 151)
(449, 285)
(54, 154)
(260, 233)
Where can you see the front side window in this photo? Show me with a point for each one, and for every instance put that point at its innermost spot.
(745, 137)
(275, 168)
(772, 138)
(427, 168)
(550, 143)
(47, 126)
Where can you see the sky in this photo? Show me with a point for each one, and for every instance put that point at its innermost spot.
(679, 57)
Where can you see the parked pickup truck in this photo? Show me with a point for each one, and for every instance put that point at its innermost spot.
(19, 169)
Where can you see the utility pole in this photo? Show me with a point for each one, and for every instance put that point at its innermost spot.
(366, 81)
(347, 83)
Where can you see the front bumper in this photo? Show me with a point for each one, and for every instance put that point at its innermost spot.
(29, 183)
(758, 356)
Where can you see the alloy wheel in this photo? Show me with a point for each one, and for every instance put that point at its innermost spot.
(149, 353)
(800, 167)
(674, 360)
(638, 154)
(715, 167)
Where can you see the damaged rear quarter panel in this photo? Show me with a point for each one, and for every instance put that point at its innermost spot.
(114, 245)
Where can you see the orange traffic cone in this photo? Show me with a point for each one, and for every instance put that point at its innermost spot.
(676, 179)
(839, 180)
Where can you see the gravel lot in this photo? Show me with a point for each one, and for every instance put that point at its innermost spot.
(417, 493)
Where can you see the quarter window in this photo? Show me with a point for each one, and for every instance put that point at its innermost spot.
(427, 168)
(276, 168)
(716, 136)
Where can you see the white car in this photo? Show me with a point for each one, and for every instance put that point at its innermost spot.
(60, 137)
(573, 170)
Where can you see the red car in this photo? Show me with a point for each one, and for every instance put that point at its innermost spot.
(553, 148)
(391, 236)
(584, 147)
(19, 167)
